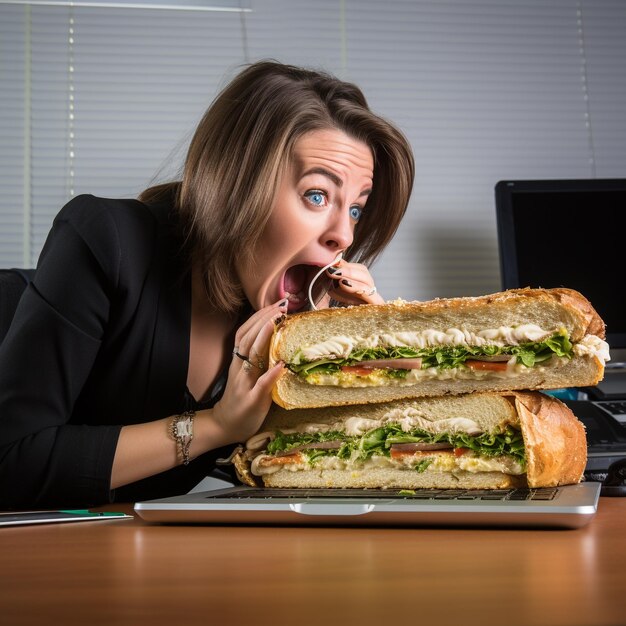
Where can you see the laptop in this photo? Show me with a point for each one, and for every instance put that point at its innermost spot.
(571, 506)
(554, 233)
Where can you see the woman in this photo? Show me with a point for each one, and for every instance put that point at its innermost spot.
(138, 353)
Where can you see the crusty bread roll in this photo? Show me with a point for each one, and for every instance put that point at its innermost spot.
(496, 319)
(555, 450)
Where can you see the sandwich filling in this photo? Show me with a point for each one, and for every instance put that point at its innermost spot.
(404, 358)
(401, 439)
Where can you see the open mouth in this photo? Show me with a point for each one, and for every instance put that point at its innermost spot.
(296, 283)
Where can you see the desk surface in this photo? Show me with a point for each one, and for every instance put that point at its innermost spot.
(130, 572)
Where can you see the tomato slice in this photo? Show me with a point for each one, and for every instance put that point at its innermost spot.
(401, 454)
(282, 460)
(460, 451)
(491, 366)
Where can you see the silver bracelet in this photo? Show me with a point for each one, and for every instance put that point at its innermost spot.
(181, 429)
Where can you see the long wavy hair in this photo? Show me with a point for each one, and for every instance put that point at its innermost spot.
(242, 147)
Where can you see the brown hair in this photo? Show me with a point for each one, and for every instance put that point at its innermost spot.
(241, 148)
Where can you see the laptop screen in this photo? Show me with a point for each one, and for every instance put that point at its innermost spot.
(554, 233)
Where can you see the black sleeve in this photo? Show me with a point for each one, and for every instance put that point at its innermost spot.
(45, 460)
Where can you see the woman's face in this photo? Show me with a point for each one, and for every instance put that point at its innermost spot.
(318, 204)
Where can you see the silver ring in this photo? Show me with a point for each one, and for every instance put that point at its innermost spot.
(248, 364)
(239, 356)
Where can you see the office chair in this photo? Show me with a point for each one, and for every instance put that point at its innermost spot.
(12, 284)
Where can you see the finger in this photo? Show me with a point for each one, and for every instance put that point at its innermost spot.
(353, 284)
(242, 408)
(280, 305)
(351, 271)
(259, 351)
(263, 327)
(369, 294)
(253, 350)
(258, 397)
(244, 337)
(354, 292)
(270, 378)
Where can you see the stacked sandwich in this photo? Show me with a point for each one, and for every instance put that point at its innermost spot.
(438, 394)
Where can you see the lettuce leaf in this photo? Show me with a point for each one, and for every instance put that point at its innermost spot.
(443, 357)
(379, 441)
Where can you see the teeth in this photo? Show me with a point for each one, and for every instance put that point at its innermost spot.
(296, 297)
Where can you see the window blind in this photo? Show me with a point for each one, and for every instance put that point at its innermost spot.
(603, 38)
(115, 95)
(14, 136)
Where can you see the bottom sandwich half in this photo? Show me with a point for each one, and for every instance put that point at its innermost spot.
(473, 441)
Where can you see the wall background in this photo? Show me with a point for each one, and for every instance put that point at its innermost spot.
(103, 101)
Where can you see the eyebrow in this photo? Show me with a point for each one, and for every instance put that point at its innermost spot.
(333, 177)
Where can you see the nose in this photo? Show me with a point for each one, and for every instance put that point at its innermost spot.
(340, 231)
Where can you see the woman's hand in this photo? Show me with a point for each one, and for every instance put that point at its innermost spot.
(247, 397)
(352, 284)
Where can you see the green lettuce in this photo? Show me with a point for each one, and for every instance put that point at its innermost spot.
(379, 441)
(443, 357)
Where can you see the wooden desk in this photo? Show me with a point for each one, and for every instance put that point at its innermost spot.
(129, 572)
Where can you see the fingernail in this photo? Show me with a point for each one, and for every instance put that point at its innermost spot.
(346, 283)
(283, 303)
(334, 270)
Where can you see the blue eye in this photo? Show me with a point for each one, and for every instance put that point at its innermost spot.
(316, 198)
(356, 212)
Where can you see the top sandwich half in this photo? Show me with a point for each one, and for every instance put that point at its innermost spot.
(510, 340)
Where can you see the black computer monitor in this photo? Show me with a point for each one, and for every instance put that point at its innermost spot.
(567, 233)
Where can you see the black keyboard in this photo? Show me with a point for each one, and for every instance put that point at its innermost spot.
(615, 408)
(604, 432)
(547, 493)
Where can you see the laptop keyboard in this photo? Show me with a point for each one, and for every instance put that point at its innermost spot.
(615, 408)
(547, 493)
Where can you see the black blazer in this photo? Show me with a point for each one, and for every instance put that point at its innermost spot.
(100, 339)
(12, 284)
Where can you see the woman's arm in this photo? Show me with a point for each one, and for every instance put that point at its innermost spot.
(147, 449)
